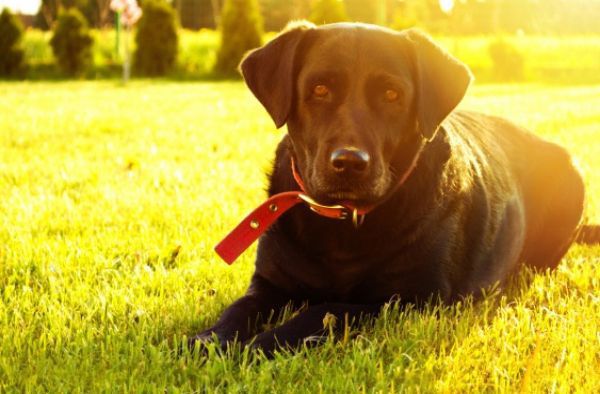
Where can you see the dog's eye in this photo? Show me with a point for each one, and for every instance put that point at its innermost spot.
(320, 90)
(391, 95)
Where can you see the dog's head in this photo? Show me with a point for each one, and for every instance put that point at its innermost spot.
(359, 101)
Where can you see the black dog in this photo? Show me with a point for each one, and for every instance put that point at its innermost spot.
(456, 201)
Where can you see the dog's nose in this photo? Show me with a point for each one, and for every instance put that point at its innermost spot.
(349, 159)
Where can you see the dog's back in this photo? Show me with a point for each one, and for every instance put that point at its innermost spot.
(548, 186)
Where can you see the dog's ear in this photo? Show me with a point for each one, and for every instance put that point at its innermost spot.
(268, 72)
(441, 79)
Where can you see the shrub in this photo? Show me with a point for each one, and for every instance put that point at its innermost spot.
(363, 11)
(156, 39)
(72, 42)
(11, 51)
(328, 11)
(404, 19)
(241, 30)
(508, 64)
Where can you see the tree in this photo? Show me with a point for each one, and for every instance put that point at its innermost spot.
(328, 11)
(97, 12)
(156, 39)
(410, 14)
(241, 30)
(363, 11)
(72, 42)
(102, 8)
(277, 13)
(508, 63)
(216, 7)
(11, 50)
(49, 10)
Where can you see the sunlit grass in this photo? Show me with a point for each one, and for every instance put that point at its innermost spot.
(112, 199)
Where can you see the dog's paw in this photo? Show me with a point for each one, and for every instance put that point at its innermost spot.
(202, 342)
(265, 342)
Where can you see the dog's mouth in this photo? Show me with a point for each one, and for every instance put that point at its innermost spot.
(348, 197)
(359, 197)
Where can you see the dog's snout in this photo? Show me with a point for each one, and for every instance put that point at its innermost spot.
(349, 159)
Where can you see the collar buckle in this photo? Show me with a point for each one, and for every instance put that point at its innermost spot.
(357, 218)
(331, 211)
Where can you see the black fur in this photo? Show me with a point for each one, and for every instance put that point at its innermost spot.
(485, 196)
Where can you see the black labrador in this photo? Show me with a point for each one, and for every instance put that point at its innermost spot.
(456, 201)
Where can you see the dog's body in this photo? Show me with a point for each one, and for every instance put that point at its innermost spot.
(456, 226)
(362, 104)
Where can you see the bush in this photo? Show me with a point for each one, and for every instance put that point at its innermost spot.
(241, 30)
(404, 19)
(11, 51)
(328, 11)
(363, 11)
(508, 64)
(156, 39)
(72, 42)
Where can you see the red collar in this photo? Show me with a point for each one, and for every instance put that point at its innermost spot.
(259, 220)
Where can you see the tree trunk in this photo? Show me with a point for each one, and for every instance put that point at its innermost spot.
(103, 12)
(216, 10)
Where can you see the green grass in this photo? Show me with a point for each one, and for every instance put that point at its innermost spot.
(556, 60)
(112, 198)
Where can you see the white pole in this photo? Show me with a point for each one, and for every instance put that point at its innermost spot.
(126, 62)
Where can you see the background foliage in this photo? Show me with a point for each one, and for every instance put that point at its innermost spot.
(328, 11)
(156, 39)
(466, 17)
(556, 60)
(508, 64)
(11, 49)
(241, 30)
(501, 40)
(71, 42)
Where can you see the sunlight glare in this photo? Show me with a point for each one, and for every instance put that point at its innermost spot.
(24, 6)
(446, 6)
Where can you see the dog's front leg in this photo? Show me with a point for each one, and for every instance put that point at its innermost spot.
(240, 319)
(312, 325)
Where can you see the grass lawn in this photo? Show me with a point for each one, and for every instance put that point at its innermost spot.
(112, 198)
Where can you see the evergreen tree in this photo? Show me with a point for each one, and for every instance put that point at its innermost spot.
(156, 39)
(508, 62)
(11, 51)
(241, 30)
(362, 11)
(50, 9)
(72, 42)
(328, 11)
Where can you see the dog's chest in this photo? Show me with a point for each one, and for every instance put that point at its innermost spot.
(347, 272)
(344, 265)
(343, 276)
